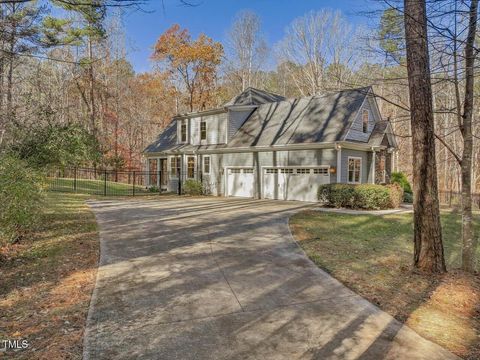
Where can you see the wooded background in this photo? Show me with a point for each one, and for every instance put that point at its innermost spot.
(67, 77)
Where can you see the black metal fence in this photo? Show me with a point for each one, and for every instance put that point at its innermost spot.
(105, 182)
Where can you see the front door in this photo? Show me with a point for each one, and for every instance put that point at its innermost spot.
(163, 174)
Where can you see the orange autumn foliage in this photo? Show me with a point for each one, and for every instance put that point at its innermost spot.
(193, 62)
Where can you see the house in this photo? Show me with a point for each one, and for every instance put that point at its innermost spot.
(262, 145)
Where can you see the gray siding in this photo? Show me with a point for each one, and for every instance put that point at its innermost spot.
(258, 160)
(215, 181)
(355, 132)
(235, 120)
(216, 129)
(354, 153)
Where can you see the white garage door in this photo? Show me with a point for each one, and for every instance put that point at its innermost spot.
(240, 182)
(294, 183)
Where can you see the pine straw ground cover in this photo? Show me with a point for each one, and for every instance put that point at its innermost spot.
(47, 281)
(372, 255)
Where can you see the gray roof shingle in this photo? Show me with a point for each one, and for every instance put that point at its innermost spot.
(252, 96)
(314, 119)
(167, 140)
(381, 131)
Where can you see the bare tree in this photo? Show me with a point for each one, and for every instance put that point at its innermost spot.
(247, 50)
(428, 246)
(315, 45)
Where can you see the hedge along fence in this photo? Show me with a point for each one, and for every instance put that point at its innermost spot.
(21, 195)
(362, 196)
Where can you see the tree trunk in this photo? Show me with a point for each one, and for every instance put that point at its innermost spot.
(10, 115)
(468, 239)
(92, 89)
(428, 246)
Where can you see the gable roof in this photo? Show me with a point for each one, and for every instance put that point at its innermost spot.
(381, 132)
(315, 119)
(252, 96)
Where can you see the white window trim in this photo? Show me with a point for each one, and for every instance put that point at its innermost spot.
(348, 170)
(209, 164)
(182, 123)
(194, 165)
(169, 166)
(206, 130)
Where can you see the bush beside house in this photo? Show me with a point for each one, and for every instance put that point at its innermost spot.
(362, 196)
(401, 179)
(192, 187)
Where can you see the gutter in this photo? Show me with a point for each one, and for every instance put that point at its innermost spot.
(307, 146)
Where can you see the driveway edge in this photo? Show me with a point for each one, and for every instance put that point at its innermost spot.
(93, 299)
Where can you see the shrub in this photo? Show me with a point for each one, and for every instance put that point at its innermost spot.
(57, 146)
(401, 179)
(192, 187)
(408, 198)
(370, 196)
(363, 196)
(396, 195)
(153, 189)
(20, 198)
(337, 195)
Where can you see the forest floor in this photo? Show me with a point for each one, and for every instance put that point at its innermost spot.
(372, 255)
(47, 281)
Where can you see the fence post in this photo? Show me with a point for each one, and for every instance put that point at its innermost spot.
(159, 181)
(105, 182)
(179, 182)
(75, 179)
(133, 182)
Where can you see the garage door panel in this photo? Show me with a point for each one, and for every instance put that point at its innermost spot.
(240, 182)
(299, 184)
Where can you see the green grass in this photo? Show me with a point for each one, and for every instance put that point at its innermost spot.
(373, 256)
(362, 236)
(95, 187)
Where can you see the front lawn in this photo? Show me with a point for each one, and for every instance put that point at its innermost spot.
(47, 281)
(372, 255)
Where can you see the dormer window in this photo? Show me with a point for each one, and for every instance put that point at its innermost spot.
(183, 132)
(203, 130)
(365, 115)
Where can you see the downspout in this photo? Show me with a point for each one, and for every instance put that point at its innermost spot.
(372, 166)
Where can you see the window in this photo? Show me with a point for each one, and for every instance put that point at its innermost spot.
(286, 171)
(235, 171)
(272, 171)
(354, 169)
(174, 166)
(183, 132)
(203, 130)
(321, 171)
(303, 171)
(190, 167)
(206, 164)
(365, 116)
(248, 171)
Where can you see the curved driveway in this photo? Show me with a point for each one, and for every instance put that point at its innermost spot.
(213, 278)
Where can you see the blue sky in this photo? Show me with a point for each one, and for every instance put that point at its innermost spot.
(214, 18)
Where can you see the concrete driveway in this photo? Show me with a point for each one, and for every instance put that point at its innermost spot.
(222, 279)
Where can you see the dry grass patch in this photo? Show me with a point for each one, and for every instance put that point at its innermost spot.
(47, 282)
(372, 255)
